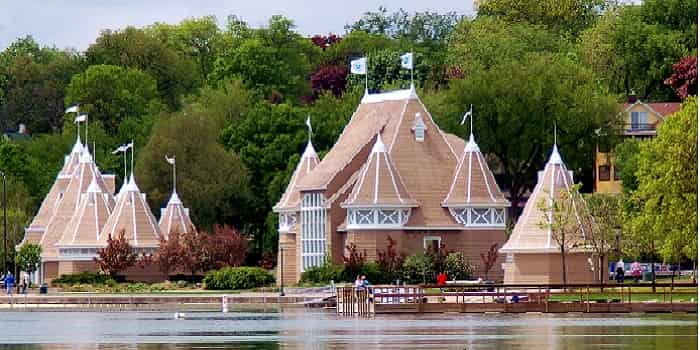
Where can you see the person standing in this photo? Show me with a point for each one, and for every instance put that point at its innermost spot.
(25, 283)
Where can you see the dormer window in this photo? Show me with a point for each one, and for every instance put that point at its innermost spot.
(419, 128)
(377, 217)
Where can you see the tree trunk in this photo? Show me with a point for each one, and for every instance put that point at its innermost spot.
(602, 272)
(653, 277)
(563, 265)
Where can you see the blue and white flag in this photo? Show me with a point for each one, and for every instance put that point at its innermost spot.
(407, 60)
(358, 66)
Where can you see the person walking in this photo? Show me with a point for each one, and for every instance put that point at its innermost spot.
(620, 272)
(25, 283)
(9, 282)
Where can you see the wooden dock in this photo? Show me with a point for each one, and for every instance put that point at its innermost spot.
(606, 298)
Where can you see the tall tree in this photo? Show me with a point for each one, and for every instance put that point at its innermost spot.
(111, 94)
(117, 256)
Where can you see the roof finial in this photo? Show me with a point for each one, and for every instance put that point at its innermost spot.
(555, 132)
(378, 145)
(308, 125)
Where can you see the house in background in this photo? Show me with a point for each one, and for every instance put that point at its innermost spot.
(20, 135)
(640, 120)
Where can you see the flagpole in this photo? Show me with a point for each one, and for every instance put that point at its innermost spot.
(132, 157)
(126, 178)
(174, 176)
(77, 113)
(412, 68)
(366, 75)
(471, 120)
(87, 144)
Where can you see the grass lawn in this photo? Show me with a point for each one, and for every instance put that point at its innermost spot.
(639, 294)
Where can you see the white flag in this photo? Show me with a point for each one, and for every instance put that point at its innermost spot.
(72, 109)
(170, 161)
(80, 118)
(119, 149)
(128, 145)
(358, 66)
(468, 114)
(407, 60)
(308, 124)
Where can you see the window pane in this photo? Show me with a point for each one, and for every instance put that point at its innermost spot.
(604, 173)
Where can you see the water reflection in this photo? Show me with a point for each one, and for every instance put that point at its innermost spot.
(304, 329)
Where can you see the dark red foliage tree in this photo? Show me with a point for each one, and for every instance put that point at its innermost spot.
(195, 256)
(390, 261)
(489, 259)
(170, 254)
(227, 247)
(117, 256)
(268, 260)
(685, 77)
(323, 41)
(329, 78)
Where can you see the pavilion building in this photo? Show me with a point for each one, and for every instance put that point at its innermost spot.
(391, 173)
(175, 218)
(532, 252)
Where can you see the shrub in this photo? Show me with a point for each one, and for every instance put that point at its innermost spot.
(238, 278)
(374, 274)
(390, 262)
(457, 267)
(418, 268)
(83, 278)
(323, 274)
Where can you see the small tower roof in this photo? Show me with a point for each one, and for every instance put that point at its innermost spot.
(473, 183)
(291, 197)
(530, 235)
(175, 217)
(379, 182)
(132, 214)
(84, 227)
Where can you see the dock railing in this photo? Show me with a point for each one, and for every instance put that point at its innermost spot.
(518, 298)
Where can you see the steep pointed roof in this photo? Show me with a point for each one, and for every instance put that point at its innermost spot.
(132, 214)
(175, 217)
(379, 182)
(84, 228)
(291, 197)
(81, 178)
(531, 234)
(473, 183)
(52, 199)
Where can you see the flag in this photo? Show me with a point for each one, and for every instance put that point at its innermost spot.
(80, 118)
(358, 66)
(407, 60)
(119, 149)
(72, 109)
(468, 114)
(128, 145)
(170, 161)
(308, 124)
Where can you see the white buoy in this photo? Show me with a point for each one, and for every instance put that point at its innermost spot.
(224, 304)
(179, 315)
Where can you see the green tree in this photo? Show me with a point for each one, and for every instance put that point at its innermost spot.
(563, 16)
(665, 219)
(213, 183)
(602, 225)
(28, 257)
(516, 104)
(627, 163)
(174, 71)
(110, 94)
(274, 60)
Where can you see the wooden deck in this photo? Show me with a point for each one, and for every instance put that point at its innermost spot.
(516, 299)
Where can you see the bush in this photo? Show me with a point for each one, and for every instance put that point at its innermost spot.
(418, 268)
(238, 278)
(457, 267)
(83, 278)
(323, 274)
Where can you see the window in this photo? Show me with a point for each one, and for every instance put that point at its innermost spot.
(472, 217)
(313, 230)
(287, 222)
(377, 217)
(431, 243)
(603, 173)
(639, 120)
(617, 172)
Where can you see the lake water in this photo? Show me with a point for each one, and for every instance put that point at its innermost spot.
(318, 329)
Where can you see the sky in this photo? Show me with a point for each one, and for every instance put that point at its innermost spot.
(76, 23)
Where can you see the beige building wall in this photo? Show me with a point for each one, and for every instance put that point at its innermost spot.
(546, 268)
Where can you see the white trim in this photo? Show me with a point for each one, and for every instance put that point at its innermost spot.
(469, 179)
(392, 175)
(376, 179)
(486, 181)
(133, 216)
(397, 95)
(431, 238)
(454, 179)
(398, 126)
(444, 138)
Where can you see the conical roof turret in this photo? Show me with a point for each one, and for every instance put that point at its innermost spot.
(532, 233)
(83, 230)
(473, 183)
(132, 215)
(379, 182)
(175, 217)
(291, 198)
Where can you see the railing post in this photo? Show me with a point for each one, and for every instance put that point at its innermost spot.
(588, 298)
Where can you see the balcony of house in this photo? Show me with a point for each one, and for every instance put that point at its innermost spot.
(640, 129)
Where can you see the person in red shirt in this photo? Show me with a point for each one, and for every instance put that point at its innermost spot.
(442, 278)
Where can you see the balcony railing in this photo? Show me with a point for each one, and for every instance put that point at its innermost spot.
(633, 127)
